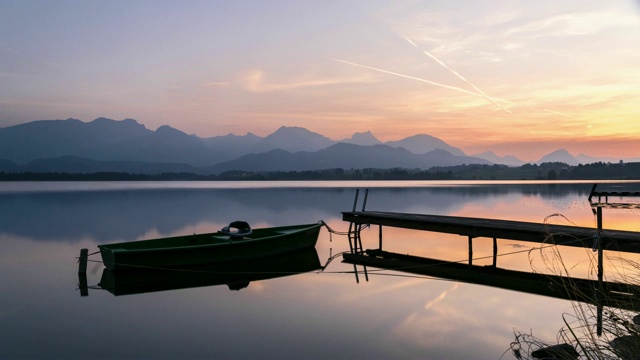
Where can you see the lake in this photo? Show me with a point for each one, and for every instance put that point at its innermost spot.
(321, 314)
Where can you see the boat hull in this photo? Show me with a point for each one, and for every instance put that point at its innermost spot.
(236, 275)
(201, 249)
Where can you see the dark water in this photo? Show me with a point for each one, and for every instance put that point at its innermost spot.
(314, 315)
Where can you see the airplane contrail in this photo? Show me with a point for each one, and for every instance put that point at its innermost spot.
(417, 79)
(459, 76)
(557, 113)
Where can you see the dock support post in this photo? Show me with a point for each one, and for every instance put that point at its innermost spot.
(380, 238)
(349, 237)
(599, 235)
(470, 251)
(82, 284)
(364, 202)
(495, 252)
(355, 271)
(355, 203)
(600, 272)
(82, 261)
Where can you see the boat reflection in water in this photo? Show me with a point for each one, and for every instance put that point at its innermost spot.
(236, 275)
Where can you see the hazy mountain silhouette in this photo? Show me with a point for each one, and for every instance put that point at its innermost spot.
(9, 166)
(504, 160)
(102, 139)
(232, 146)
(346, 156)
(71, 145)
(421, 144)
(53, 138)
(362, 138)
(561, 155)
(72, 164)
(292, 139)
(585, 159)
(166, 144)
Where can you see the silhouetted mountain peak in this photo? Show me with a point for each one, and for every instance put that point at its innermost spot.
(423, 143)
(286, 131)
(293, 139)
(168, 129)
(504, 160)
(560, 155)
(362, 138)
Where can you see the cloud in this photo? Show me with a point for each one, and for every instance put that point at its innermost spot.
(216, 84)
(459, 76)
(442, 296)
(256, 81)
(575, 24)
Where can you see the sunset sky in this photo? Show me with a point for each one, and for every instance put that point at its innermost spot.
(520, 78)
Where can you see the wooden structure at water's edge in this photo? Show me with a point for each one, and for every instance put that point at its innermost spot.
(600, 293)
(627, 241)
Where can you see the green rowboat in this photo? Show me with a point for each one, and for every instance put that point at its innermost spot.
(200, 249)
(236, 275)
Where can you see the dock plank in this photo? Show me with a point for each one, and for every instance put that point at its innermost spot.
(626, 241)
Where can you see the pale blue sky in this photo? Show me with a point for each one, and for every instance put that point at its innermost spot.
(517, 77)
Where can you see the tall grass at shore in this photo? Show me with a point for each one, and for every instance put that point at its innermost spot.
(594, 332)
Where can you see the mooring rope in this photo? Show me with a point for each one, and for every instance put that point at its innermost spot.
(331, 231)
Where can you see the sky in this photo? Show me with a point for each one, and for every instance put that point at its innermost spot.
(519, 78)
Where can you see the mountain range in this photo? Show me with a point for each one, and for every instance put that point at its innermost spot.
(128, 146)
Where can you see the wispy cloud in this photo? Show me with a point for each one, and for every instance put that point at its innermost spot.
(441, 296)
(256, 81)
(459, 76)
(571, 24)
(216, 84)
(416, 78)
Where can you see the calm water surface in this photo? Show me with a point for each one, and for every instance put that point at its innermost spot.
(314, 315)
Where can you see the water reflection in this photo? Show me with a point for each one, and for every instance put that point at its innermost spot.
(313, 315)
(237, 275)
(619, 295)
(123, 214)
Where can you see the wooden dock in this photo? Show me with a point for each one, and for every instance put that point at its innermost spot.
(626, 241)
(600, 292)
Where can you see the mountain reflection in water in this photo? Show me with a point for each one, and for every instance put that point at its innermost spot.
(310, 315)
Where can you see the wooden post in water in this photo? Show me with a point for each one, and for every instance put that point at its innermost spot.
(470, 251)
(82, 284)
(380, 238)
(599, 235)
(600, 272)
(495, 252)
(351, 225)
(82, 262)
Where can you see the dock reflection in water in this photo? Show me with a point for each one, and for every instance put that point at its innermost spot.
(619, 295)
(236, 275)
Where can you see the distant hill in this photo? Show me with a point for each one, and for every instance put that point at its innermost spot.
(72, 164)
(53, 138)
(362, 138)
(102, 139)
(421, 144)
(72, 145)
(109, 140)
(231, 146)
(561, 155)
(346, 156)
(504, 160)
(292, 139)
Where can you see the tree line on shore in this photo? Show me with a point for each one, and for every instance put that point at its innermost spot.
(544, 171)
